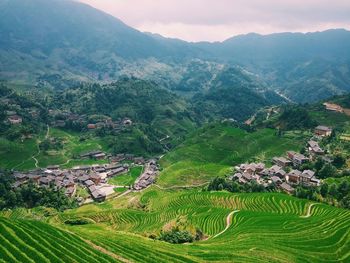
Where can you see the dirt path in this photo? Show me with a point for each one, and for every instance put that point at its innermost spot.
(125, 193)
(105, 251)
(228, 223)
(47, 132)
(101, 249)
(180, 187)
(308, 214)
(39, 151)
(36, 161)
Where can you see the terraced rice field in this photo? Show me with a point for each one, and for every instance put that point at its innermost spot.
(213, 150)
(267, 228)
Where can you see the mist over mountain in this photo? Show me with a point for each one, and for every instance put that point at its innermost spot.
(50, 42)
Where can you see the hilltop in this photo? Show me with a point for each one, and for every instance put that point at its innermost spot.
(43, 41)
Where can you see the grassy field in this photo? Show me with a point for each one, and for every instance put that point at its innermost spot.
(128, 178)
(329, 118)
(212, 150)
(264, 228)
(19, 155)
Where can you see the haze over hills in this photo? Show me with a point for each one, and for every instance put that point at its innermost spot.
(123, 146)
(49, 41)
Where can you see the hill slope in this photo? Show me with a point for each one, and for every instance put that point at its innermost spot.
(42, 40)
(212, 150)
(289, 229)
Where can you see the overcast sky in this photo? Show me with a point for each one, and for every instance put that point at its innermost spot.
(217, 20)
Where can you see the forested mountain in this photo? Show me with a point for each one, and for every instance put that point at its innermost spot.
(236, 94)
(313, 64)
(61, 43)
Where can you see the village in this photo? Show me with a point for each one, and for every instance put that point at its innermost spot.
(62, 118)
(94, 178)
(285, 173)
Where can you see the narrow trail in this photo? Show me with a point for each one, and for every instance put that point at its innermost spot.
(105, 251)
(36, 161)
(308, 214)
(228, 223)
(101, 249)
(123, 194)
(47, 132)
(180, 187)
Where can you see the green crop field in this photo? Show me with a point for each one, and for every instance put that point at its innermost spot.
(19, 155)
(127, 179)
(211, 152)
(263, 228)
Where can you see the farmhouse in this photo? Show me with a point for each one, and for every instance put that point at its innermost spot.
(333, 107)
(53, 167)
(98, 195)
(281, 161)
(287, 188)
(99, 156)
(276, 180)
(274, 170)
(294, 176)
(297, 158)
(70, 191)
(117, 171)
(314, 148)
(20, 177)
(15, 119)
(139, 160)
(306, 176)
(96, 178)
(127, 122)
(247, 176)
(323, 131)
(89, 183)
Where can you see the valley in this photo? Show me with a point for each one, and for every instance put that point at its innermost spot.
(118, 145)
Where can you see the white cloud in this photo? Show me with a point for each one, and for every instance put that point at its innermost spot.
(211, 20)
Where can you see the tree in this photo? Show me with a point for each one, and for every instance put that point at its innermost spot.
(339, 161)
(324, 189)
(319, 164)
(345, 202)
(333, 191)
(327, 171)
(343, 189)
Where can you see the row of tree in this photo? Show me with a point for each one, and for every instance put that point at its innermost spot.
(219, 184)
(31, 195)
(330, 193)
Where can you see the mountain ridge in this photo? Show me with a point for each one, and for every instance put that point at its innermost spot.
(71, 41)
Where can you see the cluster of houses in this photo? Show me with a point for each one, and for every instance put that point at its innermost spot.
(62, 117)
(148, 176)
(12, 117)
(333, 107)
(276, 174)
(100, 155)
(94, 178)
(284, 173)
(14, 111)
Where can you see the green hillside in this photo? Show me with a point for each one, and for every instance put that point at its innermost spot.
(212, 150)
(263, 228)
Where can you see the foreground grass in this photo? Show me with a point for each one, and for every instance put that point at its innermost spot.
(214, 149)
(267, 228)
(19, 155)
(128, 178)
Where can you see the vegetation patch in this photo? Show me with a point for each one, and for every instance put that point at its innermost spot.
(78, 221)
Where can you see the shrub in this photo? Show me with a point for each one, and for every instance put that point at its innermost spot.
(176, 236)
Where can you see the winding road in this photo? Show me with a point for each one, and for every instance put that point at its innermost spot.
(180, 187)
(308, 214)
(228, 223)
